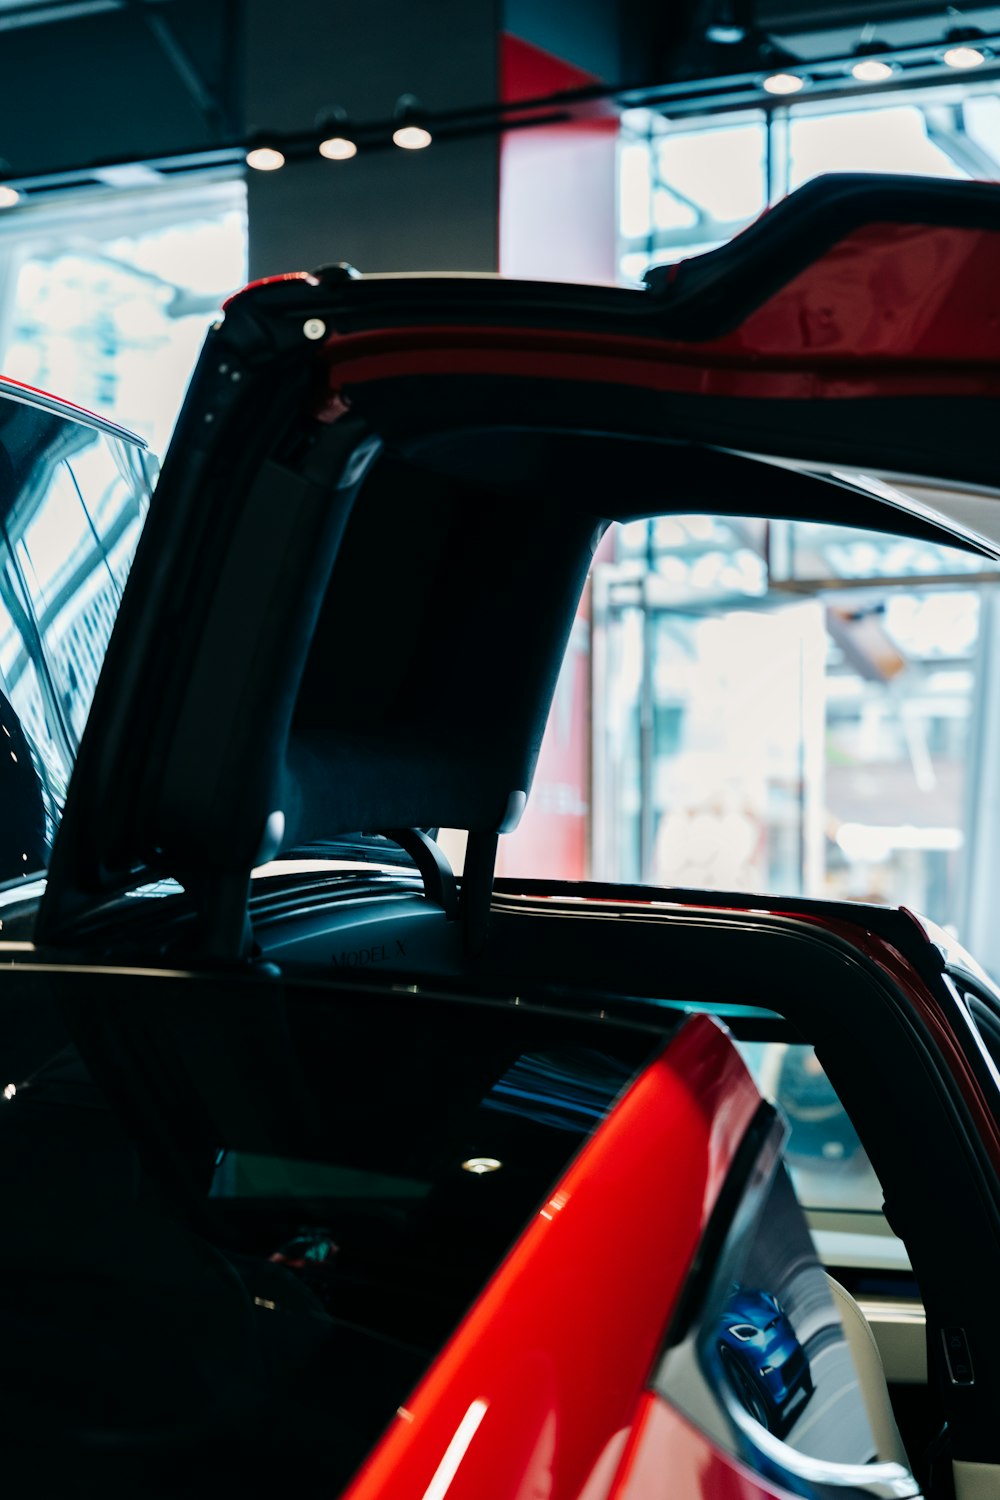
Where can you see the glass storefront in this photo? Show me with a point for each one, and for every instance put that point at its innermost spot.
(107, 295)
(778, 706)
(687, 185)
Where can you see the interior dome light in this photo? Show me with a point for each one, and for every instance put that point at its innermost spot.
(8, 196)
(480, 1165)
(338, 148)
(265, 159)
(964, 56)
(872, 70)
(783, 83)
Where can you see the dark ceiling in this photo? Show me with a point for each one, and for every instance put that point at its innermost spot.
(90, 82)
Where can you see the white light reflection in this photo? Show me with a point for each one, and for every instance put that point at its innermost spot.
(455, 1452)
(479, 1165)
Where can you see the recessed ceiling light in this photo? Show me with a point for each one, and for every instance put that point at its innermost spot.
(338, 148)
(964, 56)
(783, 83)
(480, 1165)
(872, 70)
(265, 159)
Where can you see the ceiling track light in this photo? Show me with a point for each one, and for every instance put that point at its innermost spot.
(778, 65)
(872, 70)
(963, 48)
(337, 148)
(729, 23)
(337, 141)
(872, 65)
(265, 158)
(411, 133)
(783, 83)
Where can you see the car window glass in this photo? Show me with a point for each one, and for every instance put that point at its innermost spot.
(833, 1178)
(26, 688)
(74, 552)
(766, 1357)
(72, 502)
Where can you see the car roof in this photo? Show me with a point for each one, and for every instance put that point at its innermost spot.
(336, 622)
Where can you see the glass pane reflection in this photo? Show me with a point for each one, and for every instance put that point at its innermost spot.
(72, 501)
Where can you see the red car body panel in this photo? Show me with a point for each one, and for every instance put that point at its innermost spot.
(858, 322)
(662, 1442)
(536, 1392)
(545, 354)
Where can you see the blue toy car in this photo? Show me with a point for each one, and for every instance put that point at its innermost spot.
(763, 1360)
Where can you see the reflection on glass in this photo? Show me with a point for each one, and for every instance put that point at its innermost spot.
(828, 1164)
(767, 1353)
(803, 1387)
(72, 503)
(763, 1360)
(74, 554)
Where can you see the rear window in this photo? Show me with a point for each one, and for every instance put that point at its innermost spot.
(73, 499)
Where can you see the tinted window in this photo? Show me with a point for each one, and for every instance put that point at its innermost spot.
(833, 1179)
(72, 502)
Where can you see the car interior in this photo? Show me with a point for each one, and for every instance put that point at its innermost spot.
(381, 1240)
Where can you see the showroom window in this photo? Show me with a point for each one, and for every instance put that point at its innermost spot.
(689, 185)
(108, 294)
(773, 706)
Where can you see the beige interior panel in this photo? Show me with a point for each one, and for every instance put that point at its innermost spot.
(900, 1330)
(976, 1481)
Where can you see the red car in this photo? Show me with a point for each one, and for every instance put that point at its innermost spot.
(349, 1176)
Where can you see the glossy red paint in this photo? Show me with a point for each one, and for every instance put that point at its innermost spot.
(891, 310)
(662, 1443)
(540, 354)
(536, 1391)
(305, 276)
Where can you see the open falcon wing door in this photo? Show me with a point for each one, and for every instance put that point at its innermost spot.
(362, 562)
